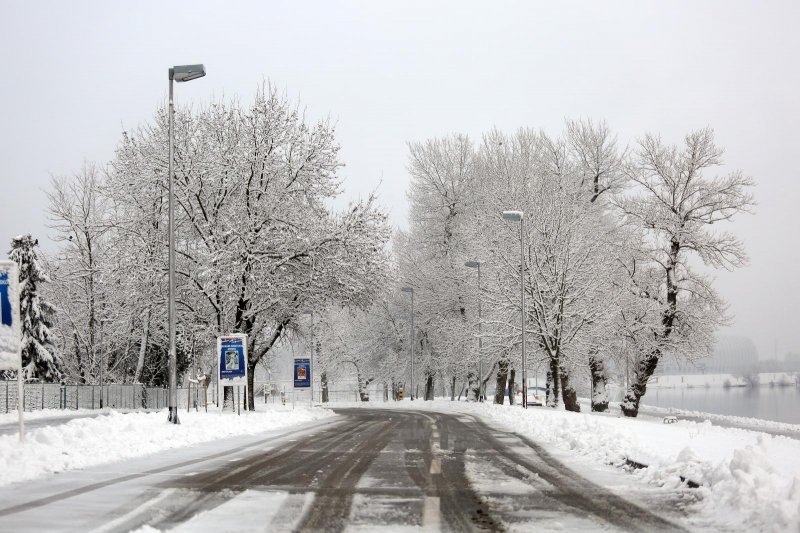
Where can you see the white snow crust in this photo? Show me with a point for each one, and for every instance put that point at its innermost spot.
(117, 436)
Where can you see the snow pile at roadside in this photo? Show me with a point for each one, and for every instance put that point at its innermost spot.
(753, 476)
(91, 441)
(748, 479)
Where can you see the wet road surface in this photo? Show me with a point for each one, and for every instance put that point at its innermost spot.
(365, 470)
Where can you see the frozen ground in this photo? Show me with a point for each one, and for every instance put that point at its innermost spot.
(87, 440)
(749, 480)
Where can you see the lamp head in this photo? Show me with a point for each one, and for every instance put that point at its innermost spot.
(181, 73)
(407, 289)
(472, 264)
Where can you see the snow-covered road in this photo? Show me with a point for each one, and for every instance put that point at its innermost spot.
(363, 470)
(397, 465)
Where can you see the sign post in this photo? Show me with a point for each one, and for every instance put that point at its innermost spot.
(302, 373)
(11, 331)
(232, 364)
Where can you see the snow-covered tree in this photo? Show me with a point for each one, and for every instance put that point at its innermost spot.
(431, 258)
(257, 240)
(567, 248)
(676, 204)
(39, 355)
(78, 212)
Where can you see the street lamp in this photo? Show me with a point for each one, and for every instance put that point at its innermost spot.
(177, 73)
(477, 264)
(516, 216)
(311, 314)
(411, 290)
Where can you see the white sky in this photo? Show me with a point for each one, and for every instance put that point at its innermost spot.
(73, 73)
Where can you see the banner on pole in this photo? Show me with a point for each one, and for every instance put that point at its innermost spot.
(10, 328)
(302, 373)
(232, 357)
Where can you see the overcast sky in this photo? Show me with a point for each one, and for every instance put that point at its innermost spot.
(73, 74)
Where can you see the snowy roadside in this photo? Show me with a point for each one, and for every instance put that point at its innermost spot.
(117, 436)
(748, 479)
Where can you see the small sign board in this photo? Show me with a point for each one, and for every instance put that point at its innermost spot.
(10, 331)
(302, 373)
(232, 357)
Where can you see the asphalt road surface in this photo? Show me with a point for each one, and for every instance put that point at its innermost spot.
(365, 470)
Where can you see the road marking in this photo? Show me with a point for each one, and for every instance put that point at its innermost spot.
(436, 466)
(431, 514)
(114, 524)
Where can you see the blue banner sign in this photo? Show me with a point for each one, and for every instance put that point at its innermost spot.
(6, 316)
(232, 364)
(302, 373)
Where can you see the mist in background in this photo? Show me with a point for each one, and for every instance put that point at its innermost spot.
(76, 74)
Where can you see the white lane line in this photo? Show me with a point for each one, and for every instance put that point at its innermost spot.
(436, 466)
(431, 514)
(114, 524)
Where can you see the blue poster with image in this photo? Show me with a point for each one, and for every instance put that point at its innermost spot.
(302, 373)
(232, 364)
(6, 317)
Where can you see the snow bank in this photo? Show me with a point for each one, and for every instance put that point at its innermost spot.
(116, 436)
(748, 479)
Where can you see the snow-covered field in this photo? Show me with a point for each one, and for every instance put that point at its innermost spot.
(116, 436)
(748, 480)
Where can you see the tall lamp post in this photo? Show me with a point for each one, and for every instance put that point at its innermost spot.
(516, 216)
(477, 264)
(311, 314)
(177, 73)
(411, 291)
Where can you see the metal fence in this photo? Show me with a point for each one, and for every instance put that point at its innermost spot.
(136, 396)
(56, 396)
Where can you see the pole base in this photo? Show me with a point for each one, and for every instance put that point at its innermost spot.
(173, 416)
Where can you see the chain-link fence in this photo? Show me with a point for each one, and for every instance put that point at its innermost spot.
(56, 396)
(137, 396)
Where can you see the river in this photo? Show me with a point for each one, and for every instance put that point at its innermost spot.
(781, 404)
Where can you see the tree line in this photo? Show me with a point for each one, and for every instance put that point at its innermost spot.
(611, 251)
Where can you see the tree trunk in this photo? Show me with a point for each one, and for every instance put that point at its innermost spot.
(553, 384)
(142, 347)
(453, 390)
(324, 384)
(429, 387)
(641, 373)
(502, 378)
(251, 376)
(511, 386)
(363, 392)
(568, 393)
(473, 387)
(599, 398)
(81, 371)
(647, 363)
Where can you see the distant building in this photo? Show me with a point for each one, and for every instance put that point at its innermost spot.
(732, 355)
